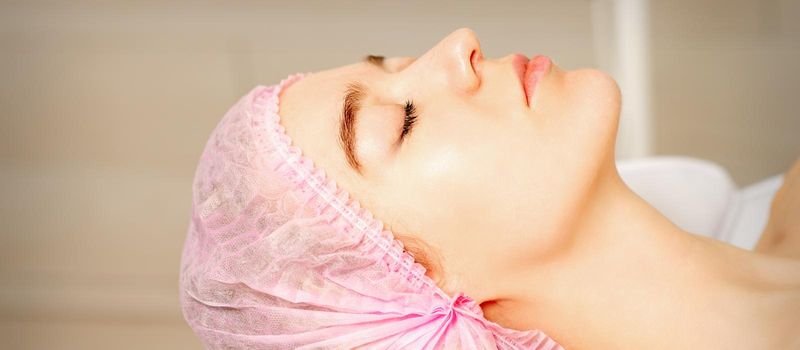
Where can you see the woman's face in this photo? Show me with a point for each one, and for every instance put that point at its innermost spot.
(490, 180)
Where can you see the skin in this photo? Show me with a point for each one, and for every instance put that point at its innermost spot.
(782, 234)
(521, 207)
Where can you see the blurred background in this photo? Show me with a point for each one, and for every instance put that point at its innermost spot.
(106, 107)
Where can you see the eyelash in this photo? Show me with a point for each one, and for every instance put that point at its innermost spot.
(410, 119)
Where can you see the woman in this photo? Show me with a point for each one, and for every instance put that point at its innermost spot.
(499, 177)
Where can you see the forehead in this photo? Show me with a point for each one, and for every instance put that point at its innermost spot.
(323, 88)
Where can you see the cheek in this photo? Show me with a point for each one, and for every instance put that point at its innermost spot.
(472, 168)
(442, 164)
(469, 159)
(438, 170)
(480, 199)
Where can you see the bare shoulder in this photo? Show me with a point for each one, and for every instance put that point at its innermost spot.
(782, 234)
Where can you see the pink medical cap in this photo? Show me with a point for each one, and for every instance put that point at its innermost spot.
(277, 256)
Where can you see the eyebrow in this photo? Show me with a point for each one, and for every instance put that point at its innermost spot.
(375, 60)
(353, 99)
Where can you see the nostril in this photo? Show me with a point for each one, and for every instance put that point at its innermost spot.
(473, 59)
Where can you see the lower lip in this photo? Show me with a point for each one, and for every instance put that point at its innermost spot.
(535, 70)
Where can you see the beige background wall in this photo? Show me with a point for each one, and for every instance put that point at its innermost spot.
(726, 83)
(106, 109)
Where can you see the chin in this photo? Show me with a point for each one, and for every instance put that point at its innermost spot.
(597, 85)
(599, 111)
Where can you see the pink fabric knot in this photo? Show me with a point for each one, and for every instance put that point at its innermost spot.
(455, 304)
(460, 304)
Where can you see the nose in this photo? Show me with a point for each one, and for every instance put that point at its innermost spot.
(458, 56)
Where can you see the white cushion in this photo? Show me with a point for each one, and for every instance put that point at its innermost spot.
(744, 226)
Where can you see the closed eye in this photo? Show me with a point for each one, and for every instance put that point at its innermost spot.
(410, 118)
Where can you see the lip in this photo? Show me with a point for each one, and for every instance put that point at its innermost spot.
(530, 72)
(519, 63)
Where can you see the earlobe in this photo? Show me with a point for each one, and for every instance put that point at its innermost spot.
(425, 255)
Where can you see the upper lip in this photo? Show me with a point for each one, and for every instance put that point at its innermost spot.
(519, 63)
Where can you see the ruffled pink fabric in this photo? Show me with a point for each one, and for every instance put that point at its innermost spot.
(277, 256)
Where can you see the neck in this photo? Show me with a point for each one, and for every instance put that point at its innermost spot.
(632, 279)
